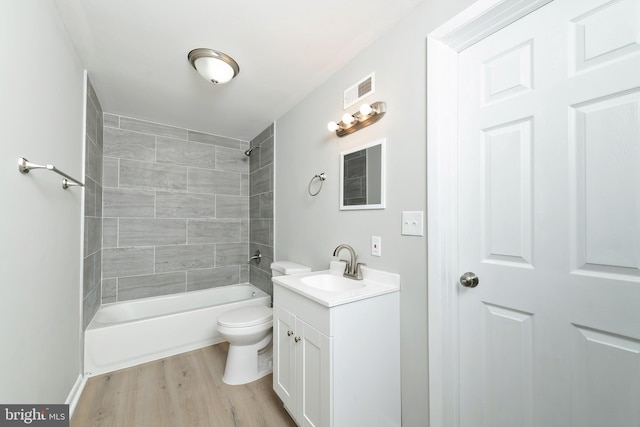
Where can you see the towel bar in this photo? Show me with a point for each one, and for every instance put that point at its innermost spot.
(24, 166)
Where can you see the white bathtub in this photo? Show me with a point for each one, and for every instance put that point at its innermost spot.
(128, 333)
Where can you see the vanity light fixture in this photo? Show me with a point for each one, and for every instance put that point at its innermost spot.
(217, 67)
(368, 115)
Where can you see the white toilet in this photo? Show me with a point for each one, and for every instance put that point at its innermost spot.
(248, 331)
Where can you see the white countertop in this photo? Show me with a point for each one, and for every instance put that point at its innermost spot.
(374, 283)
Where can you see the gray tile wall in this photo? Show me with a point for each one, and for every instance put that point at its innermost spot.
(261, 208)
(176, 210)
(92, 267)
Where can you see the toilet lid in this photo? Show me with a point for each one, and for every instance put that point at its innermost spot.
(246, 316)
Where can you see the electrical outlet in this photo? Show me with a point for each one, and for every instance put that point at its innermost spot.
(376, 246)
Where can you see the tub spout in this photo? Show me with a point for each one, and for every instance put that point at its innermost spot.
(257, 256)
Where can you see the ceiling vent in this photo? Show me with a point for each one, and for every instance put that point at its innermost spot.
(360, 90)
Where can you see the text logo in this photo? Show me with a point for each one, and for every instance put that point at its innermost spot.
(34, 415)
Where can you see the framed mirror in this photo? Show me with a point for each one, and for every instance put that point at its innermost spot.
(362, 177)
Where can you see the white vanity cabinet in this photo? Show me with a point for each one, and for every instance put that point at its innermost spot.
(337, 366)
(302, 363)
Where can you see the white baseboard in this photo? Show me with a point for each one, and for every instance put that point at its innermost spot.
(74, 394)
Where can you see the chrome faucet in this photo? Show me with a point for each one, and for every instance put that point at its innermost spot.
(352, 268)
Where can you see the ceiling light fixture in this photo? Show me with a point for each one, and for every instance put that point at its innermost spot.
(214, 66)
(368, 115)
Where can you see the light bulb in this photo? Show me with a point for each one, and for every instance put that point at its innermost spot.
(365, 109)
(332, 126)
(347, 119)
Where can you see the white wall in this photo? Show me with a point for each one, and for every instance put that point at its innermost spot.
(307, 229)
(41, 117)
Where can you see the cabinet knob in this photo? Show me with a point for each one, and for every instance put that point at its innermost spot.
(297, 339)
(289, 333)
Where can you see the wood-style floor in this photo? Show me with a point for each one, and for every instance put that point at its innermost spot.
(180, 391)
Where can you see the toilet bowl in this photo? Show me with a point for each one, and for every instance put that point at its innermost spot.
(249, 331)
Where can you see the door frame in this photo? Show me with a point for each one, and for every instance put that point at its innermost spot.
(444, 44)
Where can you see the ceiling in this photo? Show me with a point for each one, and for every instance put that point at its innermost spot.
(136, 54)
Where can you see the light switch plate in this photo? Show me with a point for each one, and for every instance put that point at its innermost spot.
(412, 223)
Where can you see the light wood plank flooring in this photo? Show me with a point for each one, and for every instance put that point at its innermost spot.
(180, 391)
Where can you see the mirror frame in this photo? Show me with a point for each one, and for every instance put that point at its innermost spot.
(383, 161)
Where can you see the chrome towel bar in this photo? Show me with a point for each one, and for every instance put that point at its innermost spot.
(24, 166)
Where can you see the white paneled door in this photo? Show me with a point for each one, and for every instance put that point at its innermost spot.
(549, 219)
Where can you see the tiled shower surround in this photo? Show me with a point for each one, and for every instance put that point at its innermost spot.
(92, 208)
(261, 208)
(175, 210)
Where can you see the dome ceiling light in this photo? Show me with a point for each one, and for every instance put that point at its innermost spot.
(214, 66)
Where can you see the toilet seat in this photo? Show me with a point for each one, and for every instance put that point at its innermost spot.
(245, 317)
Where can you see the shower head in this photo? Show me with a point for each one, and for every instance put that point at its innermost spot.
(248, 152)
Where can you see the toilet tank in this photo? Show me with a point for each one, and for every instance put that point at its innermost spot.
(286, 268)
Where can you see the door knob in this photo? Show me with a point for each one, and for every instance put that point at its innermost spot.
(289, 333)
(469, 280)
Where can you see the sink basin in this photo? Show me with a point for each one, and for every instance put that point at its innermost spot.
(330, 288)
(331, 283)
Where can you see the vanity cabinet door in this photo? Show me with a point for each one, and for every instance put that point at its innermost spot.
(314, 373)
(284, 367)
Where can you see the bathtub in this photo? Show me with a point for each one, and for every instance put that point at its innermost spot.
(128, 333)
